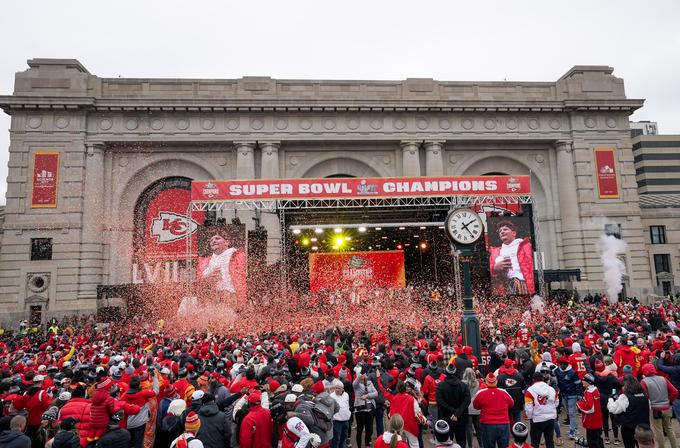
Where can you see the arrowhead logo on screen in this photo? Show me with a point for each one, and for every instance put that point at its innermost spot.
(169, 227)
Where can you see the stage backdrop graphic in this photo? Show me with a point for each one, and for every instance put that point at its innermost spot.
(375, 269)
(161, 229)
(511, 255)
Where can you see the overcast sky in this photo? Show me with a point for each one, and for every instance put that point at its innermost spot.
(446, 40)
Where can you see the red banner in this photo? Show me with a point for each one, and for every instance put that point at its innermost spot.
(357, 188)
(607, 182)
(375, 269)
(45, 179)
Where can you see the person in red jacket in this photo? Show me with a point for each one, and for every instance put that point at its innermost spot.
(137, 422)
(101, 410)
(591, 412)
(406, 405)
(257, 426)
(494, 405)
(624, 356)
(35, 401)
(78, 407)
(249, 382)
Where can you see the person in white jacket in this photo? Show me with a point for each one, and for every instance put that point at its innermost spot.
(540, 406)
(340, 418)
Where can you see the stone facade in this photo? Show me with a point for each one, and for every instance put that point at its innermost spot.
(118, 136)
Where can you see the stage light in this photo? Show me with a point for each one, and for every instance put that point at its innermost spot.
(314, 240)
(370, 247)
(416, 236)
(338, 241)
(402, 228)
(362, 229)
(422, 227)
(399, 246)
(315, 248)
(318, 230)
(305, 241)
(337, 230)
(297, 231)
(383, 237)
(348, 238)
(423, 245)
(378, 228)
(441, 227)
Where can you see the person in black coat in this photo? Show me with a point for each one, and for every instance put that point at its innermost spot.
(66, 437)
(215, 428)
(115, 437)
(453, 399)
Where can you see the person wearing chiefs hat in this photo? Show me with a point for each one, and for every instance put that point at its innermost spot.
(257, 426)
(189, 438)
(494, 405)
(513, 382)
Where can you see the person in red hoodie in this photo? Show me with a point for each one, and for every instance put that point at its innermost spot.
(35, 401)
(78, 407)
(136, 424)
(624, 356)
(494, 405)
(257, 426)
(101, 410)
(591, 412)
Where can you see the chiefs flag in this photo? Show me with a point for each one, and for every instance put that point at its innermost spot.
(376, 269)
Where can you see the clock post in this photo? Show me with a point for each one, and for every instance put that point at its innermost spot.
(464, 227)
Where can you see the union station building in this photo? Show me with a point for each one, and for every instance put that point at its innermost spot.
(112, 142)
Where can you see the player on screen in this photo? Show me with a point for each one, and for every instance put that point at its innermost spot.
(224, 272)
(511, 263)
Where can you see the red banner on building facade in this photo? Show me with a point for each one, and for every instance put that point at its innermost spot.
(357, 188)
(607, 182)
(337, 271)
(45, 179)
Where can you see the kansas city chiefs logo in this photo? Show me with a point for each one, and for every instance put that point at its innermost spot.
(170, 226)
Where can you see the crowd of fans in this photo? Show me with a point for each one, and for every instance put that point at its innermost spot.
(609, 370)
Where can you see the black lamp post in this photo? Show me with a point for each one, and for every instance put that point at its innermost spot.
(464, 228)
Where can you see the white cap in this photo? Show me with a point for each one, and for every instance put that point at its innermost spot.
(42, 368)
(38, 379)
(165, 371)
(66, 364)
(64, 396)
(122, 365)
(198, 395)
(290, 398)
(297, 389)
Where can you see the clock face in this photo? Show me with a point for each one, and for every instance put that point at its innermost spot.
(464, 226)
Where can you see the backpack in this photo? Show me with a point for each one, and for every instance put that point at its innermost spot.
(317, 416)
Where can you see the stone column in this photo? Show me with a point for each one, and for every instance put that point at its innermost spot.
(411, 158)
(91, 251)
(572, 237)
(245, 159)
(270, 160)
(434, 162)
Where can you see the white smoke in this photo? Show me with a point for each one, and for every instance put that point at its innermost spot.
(537, 304)
(610, 248)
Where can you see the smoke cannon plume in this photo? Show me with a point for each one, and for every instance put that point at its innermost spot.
(610, 248)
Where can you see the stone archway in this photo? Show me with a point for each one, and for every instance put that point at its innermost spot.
(124, 200)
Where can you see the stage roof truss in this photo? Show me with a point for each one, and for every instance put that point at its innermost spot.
(298, 204)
